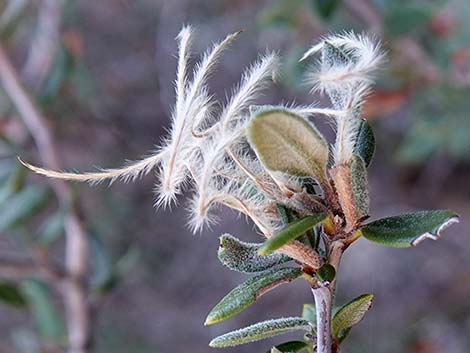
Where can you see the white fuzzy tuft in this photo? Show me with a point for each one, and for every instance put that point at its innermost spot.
(208, 149)
(346, 83)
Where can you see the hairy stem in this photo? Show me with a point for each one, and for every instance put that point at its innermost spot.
(322, 296)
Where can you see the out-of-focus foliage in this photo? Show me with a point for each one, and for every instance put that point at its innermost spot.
(31, 223)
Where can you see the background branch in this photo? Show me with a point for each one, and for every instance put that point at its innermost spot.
(76, 248)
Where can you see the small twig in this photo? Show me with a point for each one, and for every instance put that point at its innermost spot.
(16, 270)
(76, 249)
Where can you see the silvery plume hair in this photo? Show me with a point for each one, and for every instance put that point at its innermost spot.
(206, 149)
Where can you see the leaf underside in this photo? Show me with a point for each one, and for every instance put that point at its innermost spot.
(408, 229)
(260, 331)
(350, 314)
(243, 257)
(248, 292)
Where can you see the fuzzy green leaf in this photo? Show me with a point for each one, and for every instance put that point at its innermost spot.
(243, 257)
(359, 186)
(364, 146)
(248, 292)
(350, 314)
(286, 142)
(290, 347)
(292, 231)
(260, 331)
(409, 229)
(10, 295)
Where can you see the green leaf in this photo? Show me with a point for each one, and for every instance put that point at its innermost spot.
(46, 318)
(403, 17)
(248, 292)
(286, 142)
(359, 187)
(10, 295)
(120, 270)
(326, 273)
(292, 231)
(350, 314)
(13, 184)
(57, 76)
(243, 257)
(409, 229)
(51, 229)
(260, 331)
(325, 8)
(364, 146)
(21, 206)
(290, 347)
(309, 313)
(101, 265)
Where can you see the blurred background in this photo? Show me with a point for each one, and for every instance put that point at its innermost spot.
(101, 75)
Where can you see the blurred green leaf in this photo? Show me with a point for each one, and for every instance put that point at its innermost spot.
(46, 318)
(101, 261)
(281, 13)
(291, 347)
(243, 257)
(290, 232)
(10, 295)
(51, 229)
(120, 271)
(364, 146)
(21, 206)
(325, 8)
(350, 314)
(408, 229)
(14, 182)
(248, 292)
(58, 75)
(286, 142)
(402, 17)
(260, 331)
